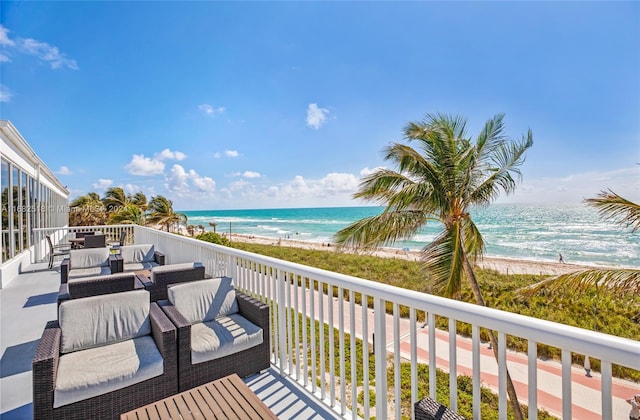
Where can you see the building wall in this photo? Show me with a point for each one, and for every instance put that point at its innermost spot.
(32, 197)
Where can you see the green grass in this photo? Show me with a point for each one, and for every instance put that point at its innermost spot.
(607, 313)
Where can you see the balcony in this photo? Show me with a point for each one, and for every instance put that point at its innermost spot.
(313, 369)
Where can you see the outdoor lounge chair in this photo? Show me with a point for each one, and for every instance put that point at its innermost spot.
(88, 262)
(139, 257)
(104, 356)
(81, 287)
(220, 331)
(165, 275)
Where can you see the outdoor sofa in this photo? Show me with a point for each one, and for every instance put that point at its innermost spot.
(105, 355)
(220, 331)
(87, 262)
(139, 257)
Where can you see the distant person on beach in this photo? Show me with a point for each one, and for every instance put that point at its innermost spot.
(634, 414)
(561, 259)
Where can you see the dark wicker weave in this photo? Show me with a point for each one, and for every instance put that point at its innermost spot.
(428, 409)
(243, 363)
(111, 405)
(65, 267)
(157, 286)
(99, 285)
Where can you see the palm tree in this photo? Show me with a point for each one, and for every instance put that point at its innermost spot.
(213, 225)
(115, 198)
(161, 212)
(130, 213)
(87, 210)
(626, 213)
(140, 200)
(441, 181)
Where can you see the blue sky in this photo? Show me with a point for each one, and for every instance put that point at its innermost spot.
(224, 105)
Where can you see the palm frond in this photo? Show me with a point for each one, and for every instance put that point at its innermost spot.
(443, 260)
(473, 240)
(611, 206)
(385, 228)
(625, 281)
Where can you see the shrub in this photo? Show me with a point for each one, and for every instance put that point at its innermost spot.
(214, 238)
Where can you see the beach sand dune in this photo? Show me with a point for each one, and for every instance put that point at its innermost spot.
(501, 265)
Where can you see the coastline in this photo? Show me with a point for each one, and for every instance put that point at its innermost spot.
(500, 264)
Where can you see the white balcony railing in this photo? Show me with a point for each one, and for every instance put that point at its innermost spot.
(318, 360)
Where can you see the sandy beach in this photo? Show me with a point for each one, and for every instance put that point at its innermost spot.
(502, 265)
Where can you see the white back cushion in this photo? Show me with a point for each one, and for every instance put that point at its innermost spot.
(204, 300)
(89, 257)
(99, 320)
(137, 253)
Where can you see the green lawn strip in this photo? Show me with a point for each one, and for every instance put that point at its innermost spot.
(605, 312)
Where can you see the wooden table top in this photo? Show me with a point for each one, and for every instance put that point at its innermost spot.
(225, 398)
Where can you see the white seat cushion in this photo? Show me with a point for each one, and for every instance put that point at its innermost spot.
(204, 300)
(89, 257)
(89, 373)
(105, 319)
(145, 265)
(138, 253)
(223, 336)
(88, 272)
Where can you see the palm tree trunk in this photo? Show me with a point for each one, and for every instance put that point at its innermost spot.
(511, 390)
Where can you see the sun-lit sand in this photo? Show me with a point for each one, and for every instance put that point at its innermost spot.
(502, 265)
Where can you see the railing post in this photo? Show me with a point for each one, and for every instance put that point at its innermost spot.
(281, 303)
(380, 353)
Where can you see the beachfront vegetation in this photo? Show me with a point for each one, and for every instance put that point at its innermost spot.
(117, 207)
(214, 238)
(615, 314)
(439, 181)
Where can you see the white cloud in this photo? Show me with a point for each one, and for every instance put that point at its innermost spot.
(231, 153)
(574, 188)
(5, 94)
(144, 166)
(168, 154)
(43, 51)
(217, 155)
(4, 37)
(251, 174)
(102, 184)
(149, 166)
(180, 182)
(366, 171)
(48, 53)
(316, 116)
(64, 171)
(210, 110)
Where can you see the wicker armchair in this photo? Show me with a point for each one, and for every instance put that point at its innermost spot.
(61, 389)
(87, 263)
(165, 275)
(247, 352)
(98, 285)
(139, 257)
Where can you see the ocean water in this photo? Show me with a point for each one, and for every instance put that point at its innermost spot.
(532, 232)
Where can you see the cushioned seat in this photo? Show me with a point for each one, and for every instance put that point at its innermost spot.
(220, 331)
(223, 336)
(98, 371)
(104, 355)
(87, 262)
(139, 257)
